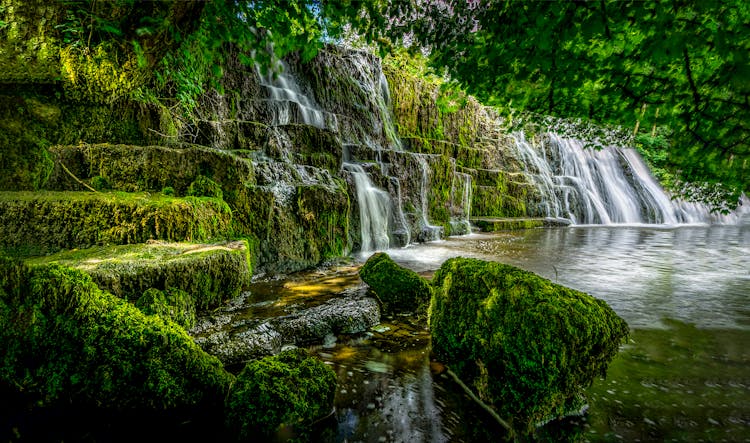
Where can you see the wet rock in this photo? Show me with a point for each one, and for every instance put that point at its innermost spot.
(399, 288)
(237, 342)
(528, 346)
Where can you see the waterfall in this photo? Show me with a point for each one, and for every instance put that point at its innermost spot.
(428, 232)
(612, 185)
(462, 226)
(374, 210)
(288, 104)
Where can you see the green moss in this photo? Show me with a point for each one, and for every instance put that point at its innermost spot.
(173, 304)
(278, 396)
(400, 289)
(210, 274)
(527, 346)
(203, 186)
(324, 215)
(100, 183)
(51, 221)
(64, 342)
(150, 168)
(505, 224)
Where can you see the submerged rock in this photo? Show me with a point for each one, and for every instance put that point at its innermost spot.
(398, 288)
(237, 341)
(526, 345)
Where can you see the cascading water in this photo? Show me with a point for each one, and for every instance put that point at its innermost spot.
(608, 186)
(288, 104)
(462, 184)
(428, 232)
(374, 210)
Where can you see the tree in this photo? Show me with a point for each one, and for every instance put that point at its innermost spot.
(611, 61)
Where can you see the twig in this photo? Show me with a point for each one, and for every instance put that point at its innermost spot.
(77, 179)
(478, 401)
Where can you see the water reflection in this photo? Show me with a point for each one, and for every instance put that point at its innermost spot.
(699, 274)
(684, 375)
(390, 391)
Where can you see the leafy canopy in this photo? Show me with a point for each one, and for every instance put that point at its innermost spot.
(683, 66)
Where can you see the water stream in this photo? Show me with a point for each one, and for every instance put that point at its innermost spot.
(684, 375)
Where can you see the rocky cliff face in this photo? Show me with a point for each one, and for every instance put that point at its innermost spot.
(288, 151)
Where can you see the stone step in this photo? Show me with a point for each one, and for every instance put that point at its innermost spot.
(35, 223)
(144, 168)
(491, 224)
(209, 273)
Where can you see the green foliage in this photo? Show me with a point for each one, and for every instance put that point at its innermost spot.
(173, 304)
(400, 289)
(168, 191)
(203, 186)
(611, 61)
(63, 341)
(280, 395)
(654, 150)
(527, 346)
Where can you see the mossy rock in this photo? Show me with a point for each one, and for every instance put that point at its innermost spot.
(506, 224)
(148, 168)
(203, 186)
(50, 221)
(172, 303)
(66, 343)
(400, 289)
(209, 273)
(280, 396)
(526, 345)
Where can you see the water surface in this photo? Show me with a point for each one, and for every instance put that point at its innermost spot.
(683, 376)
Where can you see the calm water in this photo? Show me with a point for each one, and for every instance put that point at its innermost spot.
(684, 375)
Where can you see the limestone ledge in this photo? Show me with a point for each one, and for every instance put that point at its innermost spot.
(209, 273)
(34, 223)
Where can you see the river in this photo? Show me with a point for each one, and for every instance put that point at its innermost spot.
(684, 375)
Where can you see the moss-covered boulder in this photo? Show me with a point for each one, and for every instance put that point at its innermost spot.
(63, 341)
(526, 345)
(49, 221)
(399, 289)
(209, 273)
(172, 303)
(280, 396)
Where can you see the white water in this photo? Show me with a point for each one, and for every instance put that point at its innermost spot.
(461, 225)
(608, 186)
(374, 210)
(289, 103)
(428, 232)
